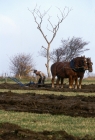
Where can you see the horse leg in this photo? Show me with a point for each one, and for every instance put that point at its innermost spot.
(73, 79)
(76, 82)
(70, 82)
(53, 78)
(80, 81)
(57, 82)
(62, 79)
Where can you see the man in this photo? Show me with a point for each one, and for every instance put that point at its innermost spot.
(41, 75)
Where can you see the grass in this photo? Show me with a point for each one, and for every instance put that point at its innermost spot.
(49, 92)
(77, 126)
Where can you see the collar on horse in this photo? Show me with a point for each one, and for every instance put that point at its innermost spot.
(72, 65)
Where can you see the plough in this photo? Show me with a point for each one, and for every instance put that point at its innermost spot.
(19, 82)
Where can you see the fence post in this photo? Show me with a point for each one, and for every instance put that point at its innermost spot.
(5, 78)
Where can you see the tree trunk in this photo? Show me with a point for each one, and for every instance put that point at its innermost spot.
(48, 60)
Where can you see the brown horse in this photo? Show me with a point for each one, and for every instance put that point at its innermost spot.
(67, 70)
(80, 74)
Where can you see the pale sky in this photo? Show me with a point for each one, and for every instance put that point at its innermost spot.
(19, 33)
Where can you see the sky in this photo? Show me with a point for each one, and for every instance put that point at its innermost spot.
(19, 33)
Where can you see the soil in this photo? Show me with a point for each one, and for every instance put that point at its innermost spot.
(35, 103)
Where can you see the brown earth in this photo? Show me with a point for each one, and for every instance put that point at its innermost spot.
(53, 104)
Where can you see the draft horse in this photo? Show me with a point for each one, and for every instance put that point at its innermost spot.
(80, 74)
(67, 70)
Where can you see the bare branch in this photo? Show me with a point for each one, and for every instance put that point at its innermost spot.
(55, 29)
(41, 16)
(44, 47)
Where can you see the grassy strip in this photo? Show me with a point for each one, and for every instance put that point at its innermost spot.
(49, 92)
(90, 80)
(39, 122)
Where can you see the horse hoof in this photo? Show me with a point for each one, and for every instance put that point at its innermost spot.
(75, 87)
(70, 87)
(79, 87)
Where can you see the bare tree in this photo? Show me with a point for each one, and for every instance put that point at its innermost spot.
(73, 47)
(54, 28)
(21, 65)
(57, 55)
(69, 49)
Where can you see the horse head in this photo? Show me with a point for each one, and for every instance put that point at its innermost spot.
(85, 66)
(81, 63)
(89, 63)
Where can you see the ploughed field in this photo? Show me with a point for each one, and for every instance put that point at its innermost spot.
(36, 103)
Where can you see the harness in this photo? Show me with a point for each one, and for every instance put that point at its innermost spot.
(79, 69)
(72, 65)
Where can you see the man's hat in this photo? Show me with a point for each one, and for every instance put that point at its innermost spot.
(35, 71)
